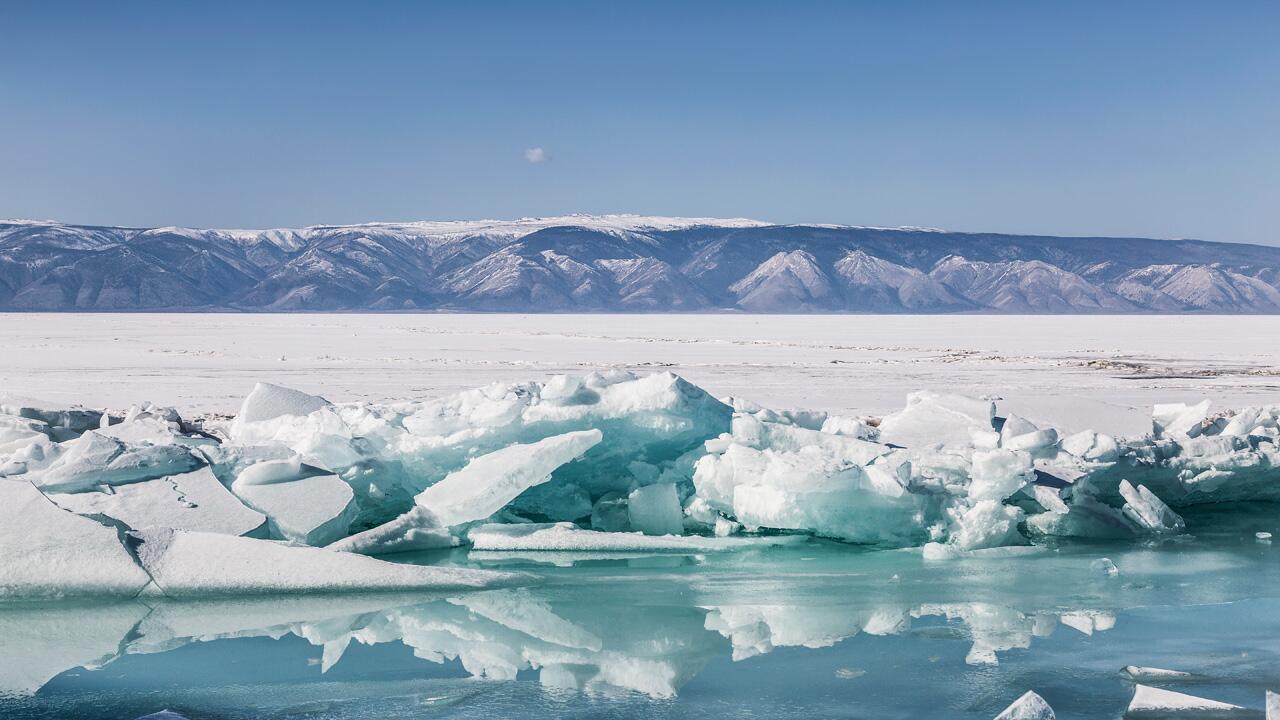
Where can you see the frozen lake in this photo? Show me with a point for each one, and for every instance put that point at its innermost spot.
(1072, 371)
(815, 628)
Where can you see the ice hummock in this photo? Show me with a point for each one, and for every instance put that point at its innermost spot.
(613, 460)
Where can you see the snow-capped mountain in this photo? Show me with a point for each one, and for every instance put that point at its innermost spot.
(580, 263)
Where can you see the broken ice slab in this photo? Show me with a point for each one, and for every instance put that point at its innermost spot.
(1028, 707)
(567, 536)
(1139, 673)
(315, 510)
(268, 402)
(487, 483)
(95, 459)
(932, 418)
(1151, 702)
(1273, 705)
(193, 565)
(191, 501)
(1147, 511)
(415, 530)
(48, 552)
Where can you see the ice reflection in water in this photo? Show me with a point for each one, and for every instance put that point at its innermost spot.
(647, 625)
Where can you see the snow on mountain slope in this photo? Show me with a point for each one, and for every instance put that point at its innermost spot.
(1026, 286)
(577, 263)
(787, 282)
(875, 285)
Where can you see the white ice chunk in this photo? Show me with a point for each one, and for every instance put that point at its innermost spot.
(997, 474)
(188, 565)
(191, 501)
(46, 551)
(1179, 419)
(937, 419)
(316, 510)
(275, 471)
(1148, 511)
(268, 402)
(415, 530)
(1154, 702)
(567, 536)
(1153, 674)
(1273, 705)
(655, 510)
(490, 481)
(1028, 707)
(1104, 567)
(94, 459)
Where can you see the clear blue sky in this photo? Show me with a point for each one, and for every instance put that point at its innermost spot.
(1118, 118)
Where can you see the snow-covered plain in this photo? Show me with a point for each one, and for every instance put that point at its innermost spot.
(1070, 371)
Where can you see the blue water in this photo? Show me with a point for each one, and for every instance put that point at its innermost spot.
(818, 630)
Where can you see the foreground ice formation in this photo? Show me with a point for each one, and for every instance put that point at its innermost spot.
(1028, 707)
(609, 461)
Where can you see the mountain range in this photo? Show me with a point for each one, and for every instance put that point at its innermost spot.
(622, 263)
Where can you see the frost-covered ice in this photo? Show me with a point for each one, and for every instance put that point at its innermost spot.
(1028, 707)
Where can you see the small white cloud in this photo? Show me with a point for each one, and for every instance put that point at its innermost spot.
(536, 155)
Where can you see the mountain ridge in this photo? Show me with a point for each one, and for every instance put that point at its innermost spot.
(622, 263)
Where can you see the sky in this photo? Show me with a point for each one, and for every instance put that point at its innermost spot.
(1157, 119)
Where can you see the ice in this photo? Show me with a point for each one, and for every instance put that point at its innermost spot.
(315, 510)
(415, 530)
(95, 459)
(268, 402)
(1148, 511)
(1028, 707)
(50, 552)
(487, 483)
(193, 565)
(567, 536)
(932, 418)
(191, 501)
(1151, 674)
(655, 510)
(1156, 702)
(1273, 705)
(163, 715)
(1179, 419)
(1104, 567)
